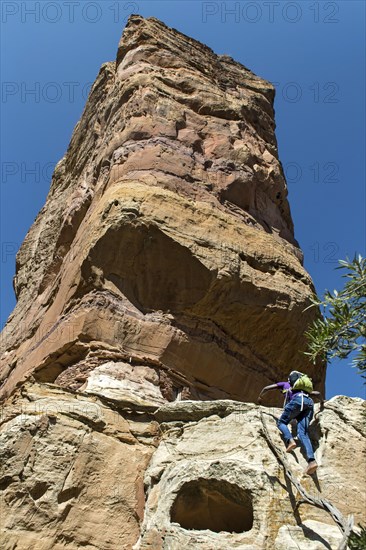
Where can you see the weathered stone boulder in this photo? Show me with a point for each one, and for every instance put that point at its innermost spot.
(214, 483)
(86, 471)
(71, 471)
(166, 241)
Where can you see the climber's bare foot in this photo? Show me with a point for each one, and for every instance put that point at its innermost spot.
(312, 466)
(291, 445)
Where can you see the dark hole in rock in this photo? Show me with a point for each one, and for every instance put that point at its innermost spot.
(68, 494)
(38, 490)
(5, 482)
(213, 504)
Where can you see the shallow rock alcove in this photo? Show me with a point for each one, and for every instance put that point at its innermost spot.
(213, 504)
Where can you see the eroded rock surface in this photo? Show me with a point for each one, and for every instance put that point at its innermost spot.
(159, 289)
(166, 241)
(72, 471)
(85, 471)
(213, 458)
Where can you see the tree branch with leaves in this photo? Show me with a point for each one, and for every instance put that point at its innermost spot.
(342, 330)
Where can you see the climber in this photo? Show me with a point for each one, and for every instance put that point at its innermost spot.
(299, 406)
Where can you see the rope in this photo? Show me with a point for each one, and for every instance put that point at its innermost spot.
(344, 524)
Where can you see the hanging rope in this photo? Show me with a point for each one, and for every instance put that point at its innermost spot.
(344, 524)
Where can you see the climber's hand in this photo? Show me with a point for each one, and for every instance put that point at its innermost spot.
(259, 399)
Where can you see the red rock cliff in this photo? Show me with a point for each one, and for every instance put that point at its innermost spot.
(164, 260)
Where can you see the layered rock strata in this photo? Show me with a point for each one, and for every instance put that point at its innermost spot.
(162, 277)
(164, 260)
(80, 471)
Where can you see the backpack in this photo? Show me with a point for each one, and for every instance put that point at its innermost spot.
(300, 381)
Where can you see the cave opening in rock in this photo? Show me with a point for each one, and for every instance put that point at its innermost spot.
(213, 504)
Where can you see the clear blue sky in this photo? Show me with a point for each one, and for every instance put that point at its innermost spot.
(314, 51)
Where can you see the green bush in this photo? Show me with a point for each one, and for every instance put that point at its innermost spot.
(357, 541)
(342, 329)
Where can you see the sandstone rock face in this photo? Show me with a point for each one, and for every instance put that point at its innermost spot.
(164, 259)
(72, 471)
(213, 482)
(159, 287)
(85, 471)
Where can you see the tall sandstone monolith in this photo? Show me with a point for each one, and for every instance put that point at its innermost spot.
(164, 261)
(159, 289)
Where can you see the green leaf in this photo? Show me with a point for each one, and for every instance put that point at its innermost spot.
(342, 328)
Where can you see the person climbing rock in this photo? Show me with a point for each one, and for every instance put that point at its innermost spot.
(298, 405)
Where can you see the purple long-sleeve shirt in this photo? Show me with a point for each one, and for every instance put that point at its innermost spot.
(286, 389)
